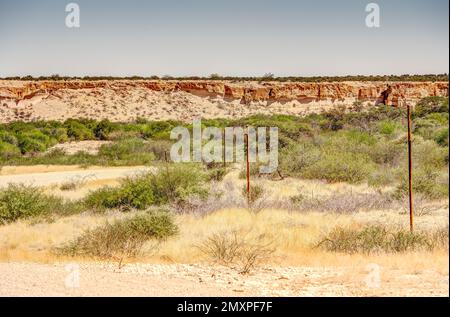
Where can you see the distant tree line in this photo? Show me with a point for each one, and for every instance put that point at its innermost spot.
(265, 77)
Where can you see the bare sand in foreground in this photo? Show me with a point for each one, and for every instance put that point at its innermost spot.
(101, 279)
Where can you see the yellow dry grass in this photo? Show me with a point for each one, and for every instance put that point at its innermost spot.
(293, 236)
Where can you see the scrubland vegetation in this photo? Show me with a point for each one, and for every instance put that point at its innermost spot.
(361, 147)
(265, 77)
(122, 238)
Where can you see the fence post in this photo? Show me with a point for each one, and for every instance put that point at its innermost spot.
(248, 167)
(224, 148)
(411, 210)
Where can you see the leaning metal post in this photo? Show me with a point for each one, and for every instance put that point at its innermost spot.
(411, 209)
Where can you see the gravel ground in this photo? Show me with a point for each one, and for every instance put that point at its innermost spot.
(104, 279)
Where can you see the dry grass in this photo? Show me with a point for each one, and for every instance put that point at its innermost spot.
(237, 249)
(292, 233)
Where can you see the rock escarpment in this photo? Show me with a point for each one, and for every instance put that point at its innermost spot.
(161, 99)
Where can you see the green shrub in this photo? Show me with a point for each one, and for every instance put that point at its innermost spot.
(39, 136)
(30, 145)
(21, 202)
(387, 152)
(217, 174)
(158, 129)
(103, 129)
(60, 134)
(122, 237)
(34, 141)
(428, 153)
(106, 197)
(256, 191)
(159, 148)
(118, 135)
(387, 127)
(430, 105)
(295, 158)
(433, 127)
(254, 171)
(129, 150)
(174, 184)
(427, 181)
(8, 150)
(382, 177)
(178, 182)
(8, 137)
(441, 137)
(340, 167)
(355, 137)
(77, 131)
(136, 151)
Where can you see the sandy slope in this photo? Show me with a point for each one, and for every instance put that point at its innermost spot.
(98, 279)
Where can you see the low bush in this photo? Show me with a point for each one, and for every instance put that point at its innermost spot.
(133, 151)
(8, 137)
(217, 174)
(176, 183)
(388, 127)
(103, 129)
(235, 249)
(295, 158)
(172, 184)
(427, 181)
(122, 238)
(256, 191)
(21, 202)
(378, 239)
(34, 141)
(8, 150)
(78, 131)
(430, 105)
(340, 167)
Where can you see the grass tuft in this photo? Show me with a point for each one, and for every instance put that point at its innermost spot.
(375, 239)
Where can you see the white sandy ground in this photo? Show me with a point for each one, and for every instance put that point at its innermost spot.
(102, 279)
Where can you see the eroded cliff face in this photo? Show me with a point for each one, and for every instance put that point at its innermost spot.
(125, 99)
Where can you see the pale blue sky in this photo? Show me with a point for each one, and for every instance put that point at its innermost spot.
(232, 37)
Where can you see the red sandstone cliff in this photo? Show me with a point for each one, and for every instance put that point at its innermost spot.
(247, 92)
(124, 100)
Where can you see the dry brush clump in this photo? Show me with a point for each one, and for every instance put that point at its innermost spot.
(374, 239)
(238, 250)
(252, 195)
(347, 202)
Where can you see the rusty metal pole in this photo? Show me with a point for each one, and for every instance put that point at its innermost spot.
(248, 167)
(411, 210)
(224, 148)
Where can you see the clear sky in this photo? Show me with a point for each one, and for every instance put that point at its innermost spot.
(229, 37)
